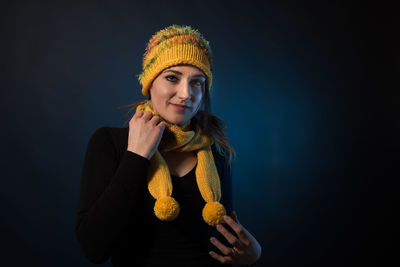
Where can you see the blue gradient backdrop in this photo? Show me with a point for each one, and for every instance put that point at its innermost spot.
(309, 94)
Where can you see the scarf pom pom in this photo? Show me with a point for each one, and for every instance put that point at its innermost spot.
(166, 208)
(213, 213)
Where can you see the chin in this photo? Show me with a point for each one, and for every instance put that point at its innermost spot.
(177, 118)
(178, 121)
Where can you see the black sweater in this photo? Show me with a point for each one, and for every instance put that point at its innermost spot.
(115, 217)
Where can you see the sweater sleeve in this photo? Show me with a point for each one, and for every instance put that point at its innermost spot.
(110, 191)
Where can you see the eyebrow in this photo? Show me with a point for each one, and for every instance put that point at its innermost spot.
(180, 73)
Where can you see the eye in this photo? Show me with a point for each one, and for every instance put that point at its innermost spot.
(198, 83)
(171, 78)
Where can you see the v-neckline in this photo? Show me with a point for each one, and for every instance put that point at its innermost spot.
(186, 173)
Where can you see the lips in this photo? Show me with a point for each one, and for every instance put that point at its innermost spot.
(182, 106)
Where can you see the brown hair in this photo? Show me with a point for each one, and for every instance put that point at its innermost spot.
(210, 125)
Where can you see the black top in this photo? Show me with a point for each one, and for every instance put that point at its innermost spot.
(116, 219)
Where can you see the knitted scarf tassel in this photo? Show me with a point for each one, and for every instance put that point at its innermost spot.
(159, 182)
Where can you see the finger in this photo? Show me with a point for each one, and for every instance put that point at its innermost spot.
(147, 115)
(221, 259)
(162, 125)
(156, 119)
(139, 113)
(237, 220)
(239, 230)
(233, 215)
(230, 237)
(224, 249)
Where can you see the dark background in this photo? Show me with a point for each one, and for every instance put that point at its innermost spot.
(309, 93)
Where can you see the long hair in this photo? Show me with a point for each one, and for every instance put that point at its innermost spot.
(210, 125)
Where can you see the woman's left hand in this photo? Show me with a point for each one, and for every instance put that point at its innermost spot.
(246, 250)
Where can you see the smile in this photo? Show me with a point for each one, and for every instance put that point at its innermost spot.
(179, 107)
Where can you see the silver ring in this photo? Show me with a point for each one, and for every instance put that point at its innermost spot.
(234, 252)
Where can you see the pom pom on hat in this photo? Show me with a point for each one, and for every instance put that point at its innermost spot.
(213, 213)
(166, 208)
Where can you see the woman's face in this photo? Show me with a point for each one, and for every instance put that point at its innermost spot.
(178, 85)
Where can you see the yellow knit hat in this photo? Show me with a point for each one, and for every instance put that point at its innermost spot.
(171, 46)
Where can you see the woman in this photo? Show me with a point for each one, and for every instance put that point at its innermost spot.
(158, 192)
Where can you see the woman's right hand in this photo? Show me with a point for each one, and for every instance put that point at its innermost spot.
(145, 132)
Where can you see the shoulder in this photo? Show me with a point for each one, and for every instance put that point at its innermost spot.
(218, 155)
(112, 133)
(221, 160)
(115, 132)
(110, 136)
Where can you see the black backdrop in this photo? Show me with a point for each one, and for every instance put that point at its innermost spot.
(309, 93)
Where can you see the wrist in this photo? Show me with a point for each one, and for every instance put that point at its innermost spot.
(136, 151)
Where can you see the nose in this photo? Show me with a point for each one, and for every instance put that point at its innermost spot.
(184, 90)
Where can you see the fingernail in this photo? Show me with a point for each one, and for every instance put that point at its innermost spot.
(219, 227)
(225, 217)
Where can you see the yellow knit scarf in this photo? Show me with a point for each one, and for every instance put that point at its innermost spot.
(181, 139)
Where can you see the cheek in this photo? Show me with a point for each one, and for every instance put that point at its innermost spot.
(165, 93)
(163, 96)
(199, 97)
